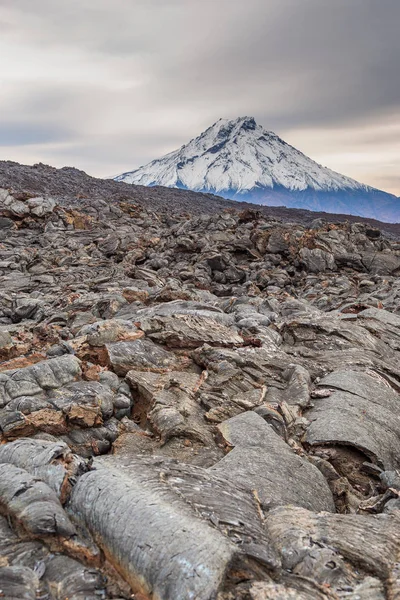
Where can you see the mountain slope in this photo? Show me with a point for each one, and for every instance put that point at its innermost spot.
(239, 159)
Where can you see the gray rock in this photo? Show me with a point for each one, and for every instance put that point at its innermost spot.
(6, 223)
(46, 375)
(317, 260)
(172, 504)
(41, 206)
(33, 503)
(337, 550)
(262, 461)
(140, 354)
(189, 331)
(362, 412)
(18, 583)
(109, 330)
(19, 208)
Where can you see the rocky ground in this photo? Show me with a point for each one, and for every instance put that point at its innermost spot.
(194, 405)
(73, 187)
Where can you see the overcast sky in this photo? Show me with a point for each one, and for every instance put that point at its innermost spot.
(107, 85)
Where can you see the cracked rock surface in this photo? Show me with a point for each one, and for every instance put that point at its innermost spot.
(197, 400)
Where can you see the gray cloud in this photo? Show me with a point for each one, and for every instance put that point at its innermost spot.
(108, 84)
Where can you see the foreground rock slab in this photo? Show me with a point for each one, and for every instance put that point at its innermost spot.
(261, 461)
(161, 510)
(362, 412)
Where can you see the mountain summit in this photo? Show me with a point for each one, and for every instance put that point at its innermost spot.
(241, 160)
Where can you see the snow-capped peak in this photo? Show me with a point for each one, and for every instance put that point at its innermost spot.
(238, 156)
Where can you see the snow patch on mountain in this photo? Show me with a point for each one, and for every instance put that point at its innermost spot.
(240, 156)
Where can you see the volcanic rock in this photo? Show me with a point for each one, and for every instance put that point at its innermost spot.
(196, 401)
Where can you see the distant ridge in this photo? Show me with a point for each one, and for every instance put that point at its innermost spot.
(73, 187)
